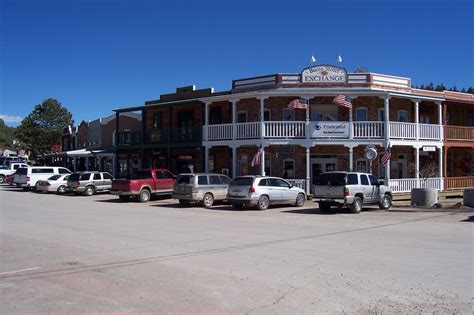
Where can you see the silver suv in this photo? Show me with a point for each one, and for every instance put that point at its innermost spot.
(263, 191)
(88, 183)
(350, 189)
(201, 187)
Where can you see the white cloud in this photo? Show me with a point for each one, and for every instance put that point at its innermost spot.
(11, 119)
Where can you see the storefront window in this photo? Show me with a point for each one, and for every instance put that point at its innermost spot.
(361, 166)
(288, 168)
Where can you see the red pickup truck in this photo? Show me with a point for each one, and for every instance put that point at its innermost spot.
(143, 184)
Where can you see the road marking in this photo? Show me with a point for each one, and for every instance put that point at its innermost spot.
(17, 271)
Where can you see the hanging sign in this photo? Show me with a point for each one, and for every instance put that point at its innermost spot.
(331, 129)
(324, 74)
(429, 148)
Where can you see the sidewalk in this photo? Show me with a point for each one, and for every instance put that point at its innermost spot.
(451, 204)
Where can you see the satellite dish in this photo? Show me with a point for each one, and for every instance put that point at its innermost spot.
(370, 154)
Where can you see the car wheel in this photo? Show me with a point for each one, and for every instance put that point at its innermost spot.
(237, 206)
(208, 200)
(300, 200)
(36, 187)
(386, 202)
(144, 195)
(183, 203)
(61, 189)
(89, 191)
(356, 206)
(263, 203)
(2, 179)
(324, 207)
(124, 198)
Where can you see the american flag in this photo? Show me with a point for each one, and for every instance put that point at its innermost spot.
(257, 157)
(387, 155)
(300, 103)
(343, 100)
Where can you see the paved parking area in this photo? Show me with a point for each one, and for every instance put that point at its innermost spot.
(73, 254)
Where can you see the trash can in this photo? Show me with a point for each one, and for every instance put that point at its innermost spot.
(468, 197)
(424, 197)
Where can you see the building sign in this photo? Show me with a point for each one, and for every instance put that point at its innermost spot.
(429, 149)
(330, 129)
(324, 74)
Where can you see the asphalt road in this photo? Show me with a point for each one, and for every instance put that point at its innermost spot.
(73, 254)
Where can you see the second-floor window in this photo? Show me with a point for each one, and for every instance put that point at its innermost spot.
(288, 114)
(215, 115)
(241, 117)
(361, 114)
(402, 116)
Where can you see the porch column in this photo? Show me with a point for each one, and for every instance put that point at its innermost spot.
(206, 159)
(417, 118)
(234, 121)
(440, 167)
(308, 171)
(440, 120)
(262, 124)
(351, 159)
(417, 166)
(351, 125)
(262, 162)
(234, 161)
(114, 166)
(206, 121)
(387, 166)
(87, 163)
(307, 121)
(387, 116)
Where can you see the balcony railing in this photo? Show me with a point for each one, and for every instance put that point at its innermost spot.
(407, 184)
(324, 130)
(460, 133)
(188, 134)
(459, 182)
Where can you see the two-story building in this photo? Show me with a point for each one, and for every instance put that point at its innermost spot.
(298, 144)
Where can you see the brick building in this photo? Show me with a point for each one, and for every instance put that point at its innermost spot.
(430, 133)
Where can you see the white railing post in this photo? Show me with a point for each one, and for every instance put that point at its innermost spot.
(386, 106)
(234, 120)
(417, 166)
(440, 166)
(351, 125)
(262, 117)
(308, 171)
(234, 161)
(417, 119)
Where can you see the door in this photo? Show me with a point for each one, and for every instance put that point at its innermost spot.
(185, 125)
(374, 183)
(283, 189)
(215, 187)
(366, 188)
(269, 187)
(164, 182)
(107, 180)
(98, 182)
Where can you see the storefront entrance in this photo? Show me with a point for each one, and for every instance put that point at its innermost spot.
(321, 164)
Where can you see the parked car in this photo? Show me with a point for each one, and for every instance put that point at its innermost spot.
(201, 187)
(88, 183)
(263, 191)
(350, 189)
(143, 184)
(27, 177)
(56, 183)
(9, 169)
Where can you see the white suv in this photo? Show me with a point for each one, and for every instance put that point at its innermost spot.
(263, 191)
(27, 177)
(350, 189)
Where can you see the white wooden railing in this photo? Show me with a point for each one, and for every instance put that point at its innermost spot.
(299, 129)
(369, 129)
(402, 130)
(219, 132)
(248, 130)
(407, 184)
(300, 183)
(285, 129)
(429, 131)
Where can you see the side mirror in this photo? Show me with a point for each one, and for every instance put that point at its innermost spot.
(291, 186)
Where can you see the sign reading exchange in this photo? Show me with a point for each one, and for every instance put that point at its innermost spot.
(324, 74)
(332, 129)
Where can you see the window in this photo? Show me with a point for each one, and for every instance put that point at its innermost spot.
(215, 115)
(202, 180)
(331, 179)
(42, 171)
(142, 174)
(373, 180)
(280, 183)
(381, 114)
(64, 171)
(168, 175)
(402, 116)
(424, 119)
(85, 176)
(97, 177)
(363, 180)
(263, 182)
(54, 177)
(242, 181)
(184, 179)
(107, 176)
(288, 114)
(361, 166)
(241, 117)
(214, 180)
(324, 112)
(266, 115)
(288, 168)
(157, 121)
(352, 179)
(361, 114)
(163, 175)
(225, 180)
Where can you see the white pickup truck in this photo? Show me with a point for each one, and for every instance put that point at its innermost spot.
(9, 170)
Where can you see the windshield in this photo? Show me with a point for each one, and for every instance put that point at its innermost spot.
(184, 179)
(22, 171)
(242, 181)
(331, 179)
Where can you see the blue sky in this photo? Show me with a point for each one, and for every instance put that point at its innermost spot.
(97, 55)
